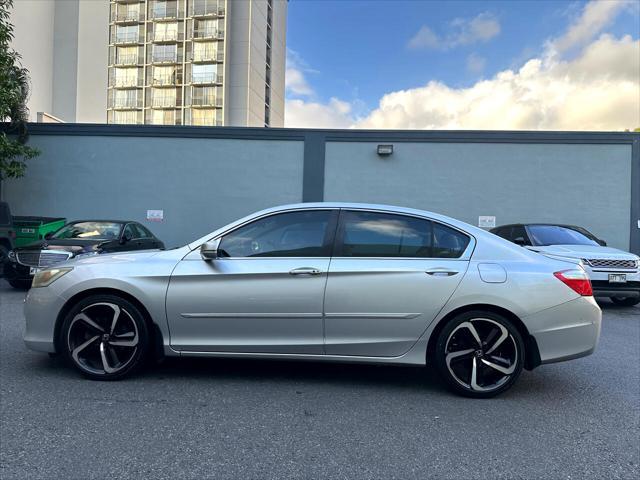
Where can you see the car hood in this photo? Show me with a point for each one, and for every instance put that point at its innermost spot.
(584, 251)
(73, 245)
(112, 258)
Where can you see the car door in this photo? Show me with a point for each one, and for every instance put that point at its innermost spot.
(264, 294)
(390, 276)
(144, 238)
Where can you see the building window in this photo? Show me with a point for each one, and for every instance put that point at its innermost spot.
(203, 96)
(203, 116)
(204, 51)
(204, 73)
(127, 55)
(164, 97)
(164, 9)
(126, 99)
(165, 53)
(126, 117)
(205, 29)
(127, 34)
(125, 77)
(165, 32)
(163, 117)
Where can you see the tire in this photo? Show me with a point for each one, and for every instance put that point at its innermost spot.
(626, 301)
(89, 341)
(20, 284)
(498, 359)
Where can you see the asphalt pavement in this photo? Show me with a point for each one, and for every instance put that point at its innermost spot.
(209, 418)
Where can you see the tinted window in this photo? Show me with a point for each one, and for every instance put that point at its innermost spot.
(369, 234)
(447, 242)
(131, 231)
(90, 230)
(141, 232)
(294, 234)
(519, 233)
(503, 232)
(556, 235)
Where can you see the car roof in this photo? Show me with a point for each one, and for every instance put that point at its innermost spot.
(537, 223)
(95, 220)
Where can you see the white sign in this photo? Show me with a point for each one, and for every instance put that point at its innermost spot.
(486, 221)
(155, 215)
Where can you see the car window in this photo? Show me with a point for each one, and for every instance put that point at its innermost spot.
(517, 232)
(371, 234)
(503, 232)
(447, 242)
(141, 232)
(130, 231)
(542, 235)
(90, 231)
(291, 234)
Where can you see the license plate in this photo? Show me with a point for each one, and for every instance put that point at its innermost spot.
(33, 270)
(617, 278)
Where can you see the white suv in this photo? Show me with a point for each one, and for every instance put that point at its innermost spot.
(613, 273)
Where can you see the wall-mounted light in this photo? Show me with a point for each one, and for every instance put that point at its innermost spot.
(385, 150)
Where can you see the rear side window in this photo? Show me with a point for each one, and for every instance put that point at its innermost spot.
(372, 234)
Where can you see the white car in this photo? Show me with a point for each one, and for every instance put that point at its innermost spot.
(613, 273)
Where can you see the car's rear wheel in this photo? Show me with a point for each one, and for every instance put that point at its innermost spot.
(479, 354)
(626, 301)
(105, 337)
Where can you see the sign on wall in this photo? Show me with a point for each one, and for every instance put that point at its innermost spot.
(155, 215)
(486, 221)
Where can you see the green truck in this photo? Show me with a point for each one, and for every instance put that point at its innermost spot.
(16, 231)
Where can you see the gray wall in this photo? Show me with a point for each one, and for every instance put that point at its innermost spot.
(204, 177)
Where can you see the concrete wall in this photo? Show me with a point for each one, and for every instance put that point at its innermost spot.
(204, 177)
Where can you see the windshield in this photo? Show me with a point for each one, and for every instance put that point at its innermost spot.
(90, 231)
(542, 235)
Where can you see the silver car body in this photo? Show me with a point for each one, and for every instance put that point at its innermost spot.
(381, 310)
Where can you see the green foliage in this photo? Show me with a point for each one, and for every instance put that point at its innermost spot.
(14, 91)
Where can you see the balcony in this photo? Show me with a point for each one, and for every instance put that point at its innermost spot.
(208, 33)
(164, 13)
(206, 101)
(164, 80)
(127, 38)
(204, 8)
(206, 79)
(160, 37)
(126, 59)
(207, 57)
(166, 57)
(126, 82)
(126, 103)
(166, 101)
(128, 17)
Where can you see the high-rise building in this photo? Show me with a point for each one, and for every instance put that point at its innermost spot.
(175, 62)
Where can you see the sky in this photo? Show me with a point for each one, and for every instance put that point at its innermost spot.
(422, 64)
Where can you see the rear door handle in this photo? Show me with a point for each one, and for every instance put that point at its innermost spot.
(441, 272)
(305, 271)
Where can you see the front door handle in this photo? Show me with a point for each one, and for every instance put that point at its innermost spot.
(441, 272)
(305, 271)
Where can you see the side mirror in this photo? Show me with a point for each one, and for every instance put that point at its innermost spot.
(520, 241)
(209, 250)
(601, 242)
(126, 237)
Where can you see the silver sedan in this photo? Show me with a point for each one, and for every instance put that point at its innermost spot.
(325, 281)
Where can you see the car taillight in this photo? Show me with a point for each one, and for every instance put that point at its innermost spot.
(577, 280)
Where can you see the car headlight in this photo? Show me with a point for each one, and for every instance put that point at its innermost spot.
(12, 256)
(44, 278)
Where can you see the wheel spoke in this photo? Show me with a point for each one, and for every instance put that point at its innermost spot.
(506, 371)
(116, 316)
(84, 318)
(81, 347)
(103, 356)
(474, 373)
(504, 334)
(469, 326)
(124, 343)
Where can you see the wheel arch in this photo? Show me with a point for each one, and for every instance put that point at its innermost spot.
(532, 353)
(154, 330)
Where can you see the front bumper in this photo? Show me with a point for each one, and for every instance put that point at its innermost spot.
(16, 271)
(40, 309)
(603, 288)
(567, 331)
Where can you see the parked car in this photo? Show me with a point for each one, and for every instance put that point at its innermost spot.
(614, 273)
(325, 281)
(21, 230)
(77, 239)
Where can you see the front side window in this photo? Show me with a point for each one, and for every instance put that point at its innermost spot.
(372, 234)
(292, 234)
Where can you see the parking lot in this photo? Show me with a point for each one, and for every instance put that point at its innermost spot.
(256, 419)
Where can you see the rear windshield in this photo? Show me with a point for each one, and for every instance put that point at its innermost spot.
(542, 235)
(90, 231)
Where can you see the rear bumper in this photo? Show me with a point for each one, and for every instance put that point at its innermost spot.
(567, 331)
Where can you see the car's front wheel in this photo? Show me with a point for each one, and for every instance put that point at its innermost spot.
(626, 301)
(105, 337)
(479, 354)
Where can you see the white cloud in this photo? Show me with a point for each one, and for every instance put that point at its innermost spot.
(596, 91)
(295, 79)
(594, 18)
(304, 114)
(476, 63)
(597, 88)
(481, 28)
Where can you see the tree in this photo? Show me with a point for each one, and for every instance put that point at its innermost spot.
(14, 91)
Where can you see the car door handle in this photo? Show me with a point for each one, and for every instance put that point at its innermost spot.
(305, 271)
(441, 272)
